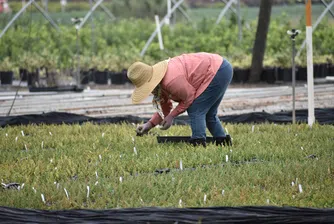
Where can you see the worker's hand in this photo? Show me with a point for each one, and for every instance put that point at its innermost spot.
(144, 128)
(167, 122)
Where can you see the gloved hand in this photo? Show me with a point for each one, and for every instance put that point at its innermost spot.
(144, 128)
(167, 122)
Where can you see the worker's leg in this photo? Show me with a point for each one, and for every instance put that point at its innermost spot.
(202, 104)
(224, 77)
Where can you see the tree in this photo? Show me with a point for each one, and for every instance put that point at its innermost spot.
(260, 40)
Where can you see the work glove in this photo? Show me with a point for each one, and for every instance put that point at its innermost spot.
(144, 128)
(167, 122)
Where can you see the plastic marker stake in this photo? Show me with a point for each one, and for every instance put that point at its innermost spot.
(96, 183)
(25, 146)
(102, 134)
(100, 157)
(223, 192)
(292, 183)
(34, 189)
(134, 149)
(22, 186)
(180, 203)
(121, 179)
(87, 191)
(97, 176)
(226, 130)
(43, 199)
(267, 201)
(50, 133)
(51, 160)
(66, 193)
(6, 135)
(300, 188)
(42, 145)
(226, 158)
(133, 140)
(204, 198)
(16, 138)
(253, 128)
(57, 186)
(301, 148)
(181, 167)
(22, 133)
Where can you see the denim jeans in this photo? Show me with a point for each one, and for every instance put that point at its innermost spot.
(203, 111)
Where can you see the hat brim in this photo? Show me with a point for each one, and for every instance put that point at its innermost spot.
(159, 71)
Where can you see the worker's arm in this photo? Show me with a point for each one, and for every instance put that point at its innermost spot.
(166, 106)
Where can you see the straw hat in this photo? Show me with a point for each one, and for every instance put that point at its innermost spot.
(145, 78)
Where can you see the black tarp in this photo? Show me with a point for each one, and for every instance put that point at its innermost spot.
(323, 116)
(249, 214)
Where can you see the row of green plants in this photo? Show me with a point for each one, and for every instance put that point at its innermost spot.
(117, 45)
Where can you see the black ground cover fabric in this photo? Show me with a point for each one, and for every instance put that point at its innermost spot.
(171, 215)
(323, 116)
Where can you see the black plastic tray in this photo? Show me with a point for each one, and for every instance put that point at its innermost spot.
(166, 139)
(56, 89)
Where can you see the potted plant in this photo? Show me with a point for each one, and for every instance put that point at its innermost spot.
(269, 73)
(6, 71)
(31, 63)
(283, 61)
(101, 73)
(242, 68)
(85, 69)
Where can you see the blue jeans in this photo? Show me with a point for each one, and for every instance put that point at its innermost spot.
(203, 111)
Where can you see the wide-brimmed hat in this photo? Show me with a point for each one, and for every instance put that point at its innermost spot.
(145, 78)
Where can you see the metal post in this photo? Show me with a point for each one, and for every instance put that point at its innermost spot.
(92, 29)
(78, 59)
(107, 11)
(316, 24)
(169, 6)
(239, 22)
(46, 15)
(46, 5)
(222, 13)
(89, 14)
(293, 33)
(157, 22)
(326, 5)
(183, 12)
(142, 53)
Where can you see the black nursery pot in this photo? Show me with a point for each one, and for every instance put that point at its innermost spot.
(6, 77)
(33, 78)
(85, 77)
(118, 78)
(101, 78)
(301, 73)
(269, 75)
(241, 75)
(284, 74)
(23, 74)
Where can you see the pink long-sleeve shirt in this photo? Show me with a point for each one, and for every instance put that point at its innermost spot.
(187, 76)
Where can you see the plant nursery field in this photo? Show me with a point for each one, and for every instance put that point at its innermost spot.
(267, 164)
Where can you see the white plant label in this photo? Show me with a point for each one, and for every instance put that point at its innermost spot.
(43, 199)
(25, 146)
(96, 183)
(97, 176)
(204, 198)
(223, 192)
(300, 188)
(180, 203)
(50, 133)
(226, 158)
(181, 166)
(6, 135)
(34, 189)
(121, 179)
(292, 183)
(42, 145)
(226, 130)
(102, 134)
(100, 157)
(22, 133)
(16, 139)
(87, 191)
(135, 150)
(22, 186)
(253, 128)
(66, 193)
(267, 201)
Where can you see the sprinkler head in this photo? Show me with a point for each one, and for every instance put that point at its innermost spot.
(293, 33)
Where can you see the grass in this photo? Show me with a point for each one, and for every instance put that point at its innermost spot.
(71, 156)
